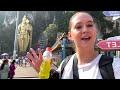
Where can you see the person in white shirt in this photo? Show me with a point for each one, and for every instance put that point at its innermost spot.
(83, 33)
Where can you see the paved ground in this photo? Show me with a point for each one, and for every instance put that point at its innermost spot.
(26, 72)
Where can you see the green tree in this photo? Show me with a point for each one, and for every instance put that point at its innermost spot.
(62, 20)
(40, 20)
(51, 33)
(102, 22)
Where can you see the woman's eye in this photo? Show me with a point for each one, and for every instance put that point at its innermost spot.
(89, 25)
(78, 27)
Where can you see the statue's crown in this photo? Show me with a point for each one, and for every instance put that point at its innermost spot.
(24, 17)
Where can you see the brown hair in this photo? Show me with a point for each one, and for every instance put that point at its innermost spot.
(3, 64)
(70, 22)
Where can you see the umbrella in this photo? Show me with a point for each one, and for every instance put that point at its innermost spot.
(114, 38)
(4, 54)
(115, 17)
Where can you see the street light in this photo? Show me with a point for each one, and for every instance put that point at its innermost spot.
(1, 47)
(16, 37)
(63, 46)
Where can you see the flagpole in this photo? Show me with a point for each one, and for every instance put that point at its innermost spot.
(16, 37)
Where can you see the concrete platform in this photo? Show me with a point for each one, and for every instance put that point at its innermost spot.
(25, 72)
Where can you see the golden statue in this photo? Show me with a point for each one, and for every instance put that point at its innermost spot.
(24, 34)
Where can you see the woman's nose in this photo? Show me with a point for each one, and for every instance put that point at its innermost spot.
(85, 29)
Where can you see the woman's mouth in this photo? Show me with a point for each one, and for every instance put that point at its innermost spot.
(85, 38)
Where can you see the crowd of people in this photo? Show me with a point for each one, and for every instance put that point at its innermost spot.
(7, 71)
(21, 61)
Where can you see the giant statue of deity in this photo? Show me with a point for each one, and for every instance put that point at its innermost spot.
(24, 34)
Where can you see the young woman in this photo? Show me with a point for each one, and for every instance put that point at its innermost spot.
(83, 33)
(4, 70)
(12, 69)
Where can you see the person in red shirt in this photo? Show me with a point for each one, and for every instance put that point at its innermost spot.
(12, 69)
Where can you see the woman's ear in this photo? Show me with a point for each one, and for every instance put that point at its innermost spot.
(69, 36)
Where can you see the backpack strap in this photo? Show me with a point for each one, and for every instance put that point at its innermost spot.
(75, 68)
(105, 66)
(64, 64)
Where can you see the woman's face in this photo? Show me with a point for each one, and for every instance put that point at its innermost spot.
(6, 62)
(83, 30)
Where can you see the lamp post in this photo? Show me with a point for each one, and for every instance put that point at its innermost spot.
(63, 46)
(16, 37)
(61, 51)
(1, 47)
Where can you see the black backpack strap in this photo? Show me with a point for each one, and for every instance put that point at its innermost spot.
(64, 64)
(105, 66)
(75, 68)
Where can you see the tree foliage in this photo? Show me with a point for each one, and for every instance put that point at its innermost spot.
(51, 33)
(49, 22)
(101, 21)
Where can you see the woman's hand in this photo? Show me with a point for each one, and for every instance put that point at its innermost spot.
(34, 60)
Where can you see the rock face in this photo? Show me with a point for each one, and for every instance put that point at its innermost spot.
(10, 16)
